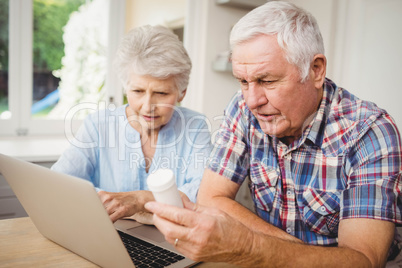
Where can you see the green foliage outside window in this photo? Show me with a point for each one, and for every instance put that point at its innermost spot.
(3, 35)
(50, 16)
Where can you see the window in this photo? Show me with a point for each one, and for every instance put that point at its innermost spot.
(56, 55)
(4, 22)
(52, 23)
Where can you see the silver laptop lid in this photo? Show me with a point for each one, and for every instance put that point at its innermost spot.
(66, 210)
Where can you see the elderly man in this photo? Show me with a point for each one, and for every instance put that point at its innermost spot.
(324, 166)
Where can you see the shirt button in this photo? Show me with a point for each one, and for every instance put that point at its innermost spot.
(289, 193)
(288, 230)
(322, 208)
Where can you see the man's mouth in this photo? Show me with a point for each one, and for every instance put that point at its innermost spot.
(266, 117)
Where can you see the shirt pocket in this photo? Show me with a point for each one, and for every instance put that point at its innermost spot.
(263, 185)
(321, 211)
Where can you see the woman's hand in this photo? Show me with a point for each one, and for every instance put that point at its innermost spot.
(143, 217)
(124, 204)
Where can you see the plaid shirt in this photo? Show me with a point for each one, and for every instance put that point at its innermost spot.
(347, 164)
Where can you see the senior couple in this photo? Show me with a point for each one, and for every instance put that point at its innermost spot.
(324, 166)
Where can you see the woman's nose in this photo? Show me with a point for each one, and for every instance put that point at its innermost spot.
(148, 104)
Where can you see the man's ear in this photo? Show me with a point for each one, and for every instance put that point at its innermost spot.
(319, 68)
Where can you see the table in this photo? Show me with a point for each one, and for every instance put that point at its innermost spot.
(21, 245)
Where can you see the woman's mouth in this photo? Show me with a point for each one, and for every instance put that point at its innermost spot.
(150, 118)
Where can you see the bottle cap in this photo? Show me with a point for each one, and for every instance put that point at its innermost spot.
(160, 180)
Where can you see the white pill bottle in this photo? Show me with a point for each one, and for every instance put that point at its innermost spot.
(162, 183)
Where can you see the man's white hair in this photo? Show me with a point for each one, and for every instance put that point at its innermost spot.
(297, 32)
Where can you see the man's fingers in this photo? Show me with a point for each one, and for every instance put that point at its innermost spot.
(170, 230)
(184, 197)
(184, 217)
(189, 205)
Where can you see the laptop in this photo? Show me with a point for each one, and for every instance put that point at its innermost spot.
(68, 211)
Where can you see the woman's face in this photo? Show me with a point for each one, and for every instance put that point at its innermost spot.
(151, 102)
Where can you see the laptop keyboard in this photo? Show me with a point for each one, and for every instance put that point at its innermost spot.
(145, 254)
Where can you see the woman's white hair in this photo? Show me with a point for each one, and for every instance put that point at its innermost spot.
(154, 51)
(297, 32)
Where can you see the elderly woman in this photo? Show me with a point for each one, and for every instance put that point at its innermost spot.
(121, 146)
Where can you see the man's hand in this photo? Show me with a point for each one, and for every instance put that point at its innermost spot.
(203, 234)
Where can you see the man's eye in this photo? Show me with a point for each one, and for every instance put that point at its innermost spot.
(265, 81)
(243, 82)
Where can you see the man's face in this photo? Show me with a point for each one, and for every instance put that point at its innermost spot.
(272, 88)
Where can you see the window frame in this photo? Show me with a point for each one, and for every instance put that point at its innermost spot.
(21, 72)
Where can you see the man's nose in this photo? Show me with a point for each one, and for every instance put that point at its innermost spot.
(256, 96)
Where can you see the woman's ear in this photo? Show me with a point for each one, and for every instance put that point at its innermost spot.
(182, 95)
(319, 68)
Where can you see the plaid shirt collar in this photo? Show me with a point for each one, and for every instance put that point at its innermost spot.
(316, 129)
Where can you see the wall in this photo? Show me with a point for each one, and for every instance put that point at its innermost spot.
(207, 34)
(153, 12)
(369, 58)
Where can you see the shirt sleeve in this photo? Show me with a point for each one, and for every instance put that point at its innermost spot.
(199, 140)
(374, 186)
(230, 154)
(80, 159)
